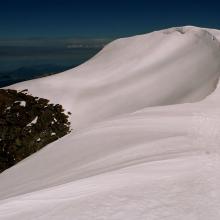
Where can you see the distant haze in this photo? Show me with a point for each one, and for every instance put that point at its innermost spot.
(23, 59)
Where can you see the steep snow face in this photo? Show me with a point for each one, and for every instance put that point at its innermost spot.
(135, 154)
(215, 33)
(162, 68)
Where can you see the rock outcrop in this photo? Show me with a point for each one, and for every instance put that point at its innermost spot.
(27, 124)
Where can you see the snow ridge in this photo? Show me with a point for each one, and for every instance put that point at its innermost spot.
(145, 111)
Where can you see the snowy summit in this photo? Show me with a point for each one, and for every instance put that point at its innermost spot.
(146, 119)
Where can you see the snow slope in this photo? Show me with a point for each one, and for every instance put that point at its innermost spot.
(146, 120)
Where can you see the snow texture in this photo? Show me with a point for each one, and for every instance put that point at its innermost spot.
(21, 103)
(145, 146)
(33, 122)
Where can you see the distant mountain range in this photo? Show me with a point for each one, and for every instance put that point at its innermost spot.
(30, 72)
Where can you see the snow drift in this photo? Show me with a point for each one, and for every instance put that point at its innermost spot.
(145, 114)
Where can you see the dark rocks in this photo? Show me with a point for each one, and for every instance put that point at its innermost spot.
(27, 124)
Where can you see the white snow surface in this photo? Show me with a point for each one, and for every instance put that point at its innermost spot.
(21, 103)
(145, 141)
(34, 121)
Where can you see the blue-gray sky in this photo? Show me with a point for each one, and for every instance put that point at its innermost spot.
(97, 19)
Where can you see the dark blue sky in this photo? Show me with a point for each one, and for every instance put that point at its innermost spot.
(65, 18)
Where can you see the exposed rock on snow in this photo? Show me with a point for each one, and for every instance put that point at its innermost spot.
(26, 125)
(147, 117)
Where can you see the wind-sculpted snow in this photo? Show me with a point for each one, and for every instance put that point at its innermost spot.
(134, 73)
(146, 116)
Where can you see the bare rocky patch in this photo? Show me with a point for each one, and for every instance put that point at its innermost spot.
(27, 124)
